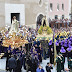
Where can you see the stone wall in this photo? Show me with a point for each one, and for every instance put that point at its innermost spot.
(32, 9)
(2, 13)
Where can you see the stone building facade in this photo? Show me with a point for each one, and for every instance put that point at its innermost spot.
(59, 9)
(29, 10)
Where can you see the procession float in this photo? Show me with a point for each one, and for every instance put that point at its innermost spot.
(45, 32)
(15, 36)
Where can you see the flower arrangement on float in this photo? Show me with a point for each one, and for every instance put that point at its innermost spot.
(45, 32)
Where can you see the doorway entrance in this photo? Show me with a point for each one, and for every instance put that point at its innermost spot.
(39, 19)
(17, 16)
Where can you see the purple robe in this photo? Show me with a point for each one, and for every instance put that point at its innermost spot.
(65, 44)
(57, 43)
(62, 42)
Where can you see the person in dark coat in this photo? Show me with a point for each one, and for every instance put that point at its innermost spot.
(2, 48)
(8, 55)
(24, 60)
(58, 60)
(39, 54)
(18, 68)
(70, 64)
(52, 55)
(60, 44)
(62, 62)
(63, 52)
(20, 59)
(44, 45)
(69, 52)
(49, 67)
(33, 66)
(65, 47)
(28, 63)
(57, 47)
(36, 61)
(12, 64)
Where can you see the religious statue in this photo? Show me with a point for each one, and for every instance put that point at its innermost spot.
(14, 26)
(44, 21)
(44, 28)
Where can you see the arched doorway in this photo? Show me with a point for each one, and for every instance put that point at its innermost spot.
(39, 19)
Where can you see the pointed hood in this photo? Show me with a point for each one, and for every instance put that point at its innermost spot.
(62, 50)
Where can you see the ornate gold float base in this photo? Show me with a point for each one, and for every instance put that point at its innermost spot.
(14, 41)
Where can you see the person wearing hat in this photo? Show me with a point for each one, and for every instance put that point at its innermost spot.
(63, 51)
(69, 52)
(50, 46)
(51, 49)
